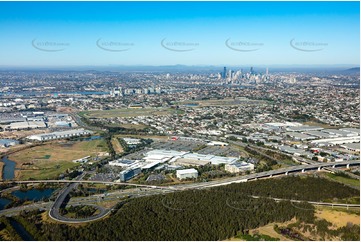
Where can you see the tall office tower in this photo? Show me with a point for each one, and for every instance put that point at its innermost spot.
(224, 74)
(251, 70)
(229, 74)
(267, 71)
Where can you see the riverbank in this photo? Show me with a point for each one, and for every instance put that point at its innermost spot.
(1, 170)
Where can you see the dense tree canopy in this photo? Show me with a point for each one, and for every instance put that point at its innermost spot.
(212, 214)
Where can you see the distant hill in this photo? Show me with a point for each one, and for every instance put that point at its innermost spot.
(354, 70)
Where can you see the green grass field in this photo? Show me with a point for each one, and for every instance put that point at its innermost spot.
(50, 160)
(127, 112)
(344, 180)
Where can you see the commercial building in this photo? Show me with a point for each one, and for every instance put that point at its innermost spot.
(351, 130)
(291, 150)
(321, 134)
(59, 135)
(303, 128)
(131, 141)
(336, 141)
(150, 166)
(217, 143)
(82, 160)
(340, 132)
(123, 163)
(8, 142)
(187, 173)
(239, 167)
(299, 136)
(191, 162)
(128, 174)
(162, 155)
(218, 160)
(26, 125)
(9, 120)
(352, 147)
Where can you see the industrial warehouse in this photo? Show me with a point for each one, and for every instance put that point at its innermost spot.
(59, 135)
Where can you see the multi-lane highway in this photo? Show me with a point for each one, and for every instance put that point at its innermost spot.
(54, 210)
(136, 192)
(271, 173)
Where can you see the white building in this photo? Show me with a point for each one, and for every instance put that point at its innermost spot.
(59, 135)
(162, 155)
(217, 143)
(239, 167)
(82, 160)
(131, 141)
(8, 142)
(123, 163)
(187, 173)
(352, 147)
(26, 125)
(337, 141)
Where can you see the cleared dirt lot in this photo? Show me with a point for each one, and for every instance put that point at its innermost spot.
(116, 145)
(338, 217)
(20, 134)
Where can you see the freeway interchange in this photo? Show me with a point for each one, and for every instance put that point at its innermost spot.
(147, 190)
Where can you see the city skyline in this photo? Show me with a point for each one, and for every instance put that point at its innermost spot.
(154, 34)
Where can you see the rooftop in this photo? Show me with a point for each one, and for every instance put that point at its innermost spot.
(186, 171)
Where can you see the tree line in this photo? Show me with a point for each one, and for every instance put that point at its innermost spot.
(210, 214)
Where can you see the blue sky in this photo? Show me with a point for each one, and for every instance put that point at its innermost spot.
(193, 33)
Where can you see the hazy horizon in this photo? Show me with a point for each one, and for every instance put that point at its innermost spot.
(58, 34)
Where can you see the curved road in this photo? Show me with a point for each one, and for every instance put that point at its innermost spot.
(54, 211)
(59, 202)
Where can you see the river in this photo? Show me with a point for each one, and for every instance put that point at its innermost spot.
(4, 202)
(33, 194)
(8, 168)
(21, 230)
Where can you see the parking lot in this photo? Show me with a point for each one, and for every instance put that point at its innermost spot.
(188, 146)
(138, 155)
(219, 151)
(104, 177)
(177, 145)
(109, 173)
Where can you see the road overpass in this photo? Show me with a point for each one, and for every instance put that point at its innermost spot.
(278, 172)
(54, 211)
(265, 174)
(94, 201)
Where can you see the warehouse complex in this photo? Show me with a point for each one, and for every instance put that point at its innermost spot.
(59, 135)
(158, 159)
